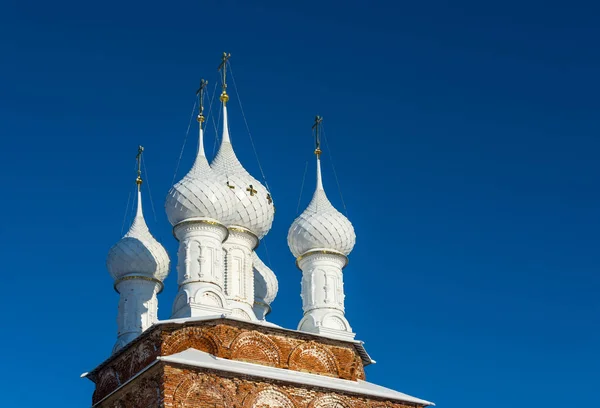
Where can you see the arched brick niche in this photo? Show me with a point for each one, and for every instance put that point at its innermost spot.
(199, 391)
(330, 401)
(190, 337)
(269, 398)
(255, 347)
(313, 358)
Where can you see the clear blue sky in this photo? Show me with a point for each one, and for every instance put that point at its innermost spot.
(465, 137)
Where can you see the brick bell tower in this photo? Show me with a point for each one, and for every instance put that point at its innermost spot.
(218, 350)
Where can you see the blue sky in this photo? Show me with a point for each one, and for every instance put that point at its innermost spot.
(465, 136)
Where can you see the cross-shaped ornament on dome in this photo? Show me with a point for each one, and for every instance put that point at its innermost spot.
(200, 95)
(316, 126)
(223, 68)
(251, 190)
(138, 159)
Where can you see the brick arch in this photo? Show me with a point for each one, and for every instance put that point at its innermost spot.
(193, 392)
(267, 398)
(256, 347)
(190, 337)
(313, 358)
(330, 401)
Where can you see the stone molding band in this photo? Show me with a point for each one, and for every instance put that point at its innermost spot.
(237, 228)
(131, 277)
(197, 220)
(321, 252)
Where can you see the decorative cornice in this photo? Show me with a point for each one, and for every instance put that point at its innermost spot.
(242, 230)
(141, 277)
(321, 252)
(212, 282)
(204, 221)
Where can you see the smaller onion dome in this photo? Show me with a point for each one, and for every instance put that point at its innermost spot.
(138, 253)
(321, 226)
(200, 194)
(265, 287)
(254, 207)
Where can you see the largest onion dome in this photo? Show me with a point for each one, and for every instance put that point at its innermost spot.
(201, 193)
(321, 226)
(138, 254)
(254, 208)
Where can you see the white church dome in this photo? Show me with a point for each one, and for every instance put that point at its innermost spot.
(200, 194)
(138, 253)
(321, 226)
(254, 207)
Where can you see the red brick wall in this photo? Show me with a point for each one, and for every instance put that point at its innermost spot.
(232, 340)
(171, 386)
(145, 391)
(185, 388)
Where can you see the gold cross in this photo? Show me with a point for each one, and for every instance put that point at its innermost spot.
(269, 198)
(224, 97)
(138, 158)
(200, 95)
(316, 126)
(229, 185)
(251, 190)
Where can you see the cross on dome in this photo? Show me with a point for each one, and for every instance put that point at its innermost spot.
(138, 253)
(253, 207)
(200, 194)
(320, 226)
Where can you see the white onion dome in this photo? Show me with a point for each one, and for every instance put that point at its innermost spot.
(254, 209)
(266, 285)
(200, 194)
(321, 226)
(138, 253)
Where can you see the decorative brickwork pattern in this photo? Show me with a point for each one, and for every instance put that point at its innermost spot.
(144, 392)
(191, 337)
(232, 340)
(125, 365)
(256, 348)
(312, 357)
(268, 397)
(188, 388)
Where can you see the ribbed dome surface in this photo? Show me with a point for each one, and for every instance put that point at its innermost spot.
(321, 226)
(201, 193)
(265, 281)
(253, 209)
(138, 253)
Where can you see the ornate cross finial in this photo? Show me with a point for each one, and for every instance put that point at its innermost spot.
(200, 95)
(316, 127)
(251, 190)
(223, 67)
(138, 158)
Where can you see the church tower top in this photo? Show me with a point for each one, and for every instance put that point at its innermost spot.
(321, 225)
(254, 209)
(138, 253)
(200, 194)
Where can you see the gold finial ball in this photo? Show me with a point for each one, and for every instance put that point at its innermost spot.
(224, 97)
(201, 118)
(318, 152)
(138, 181)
